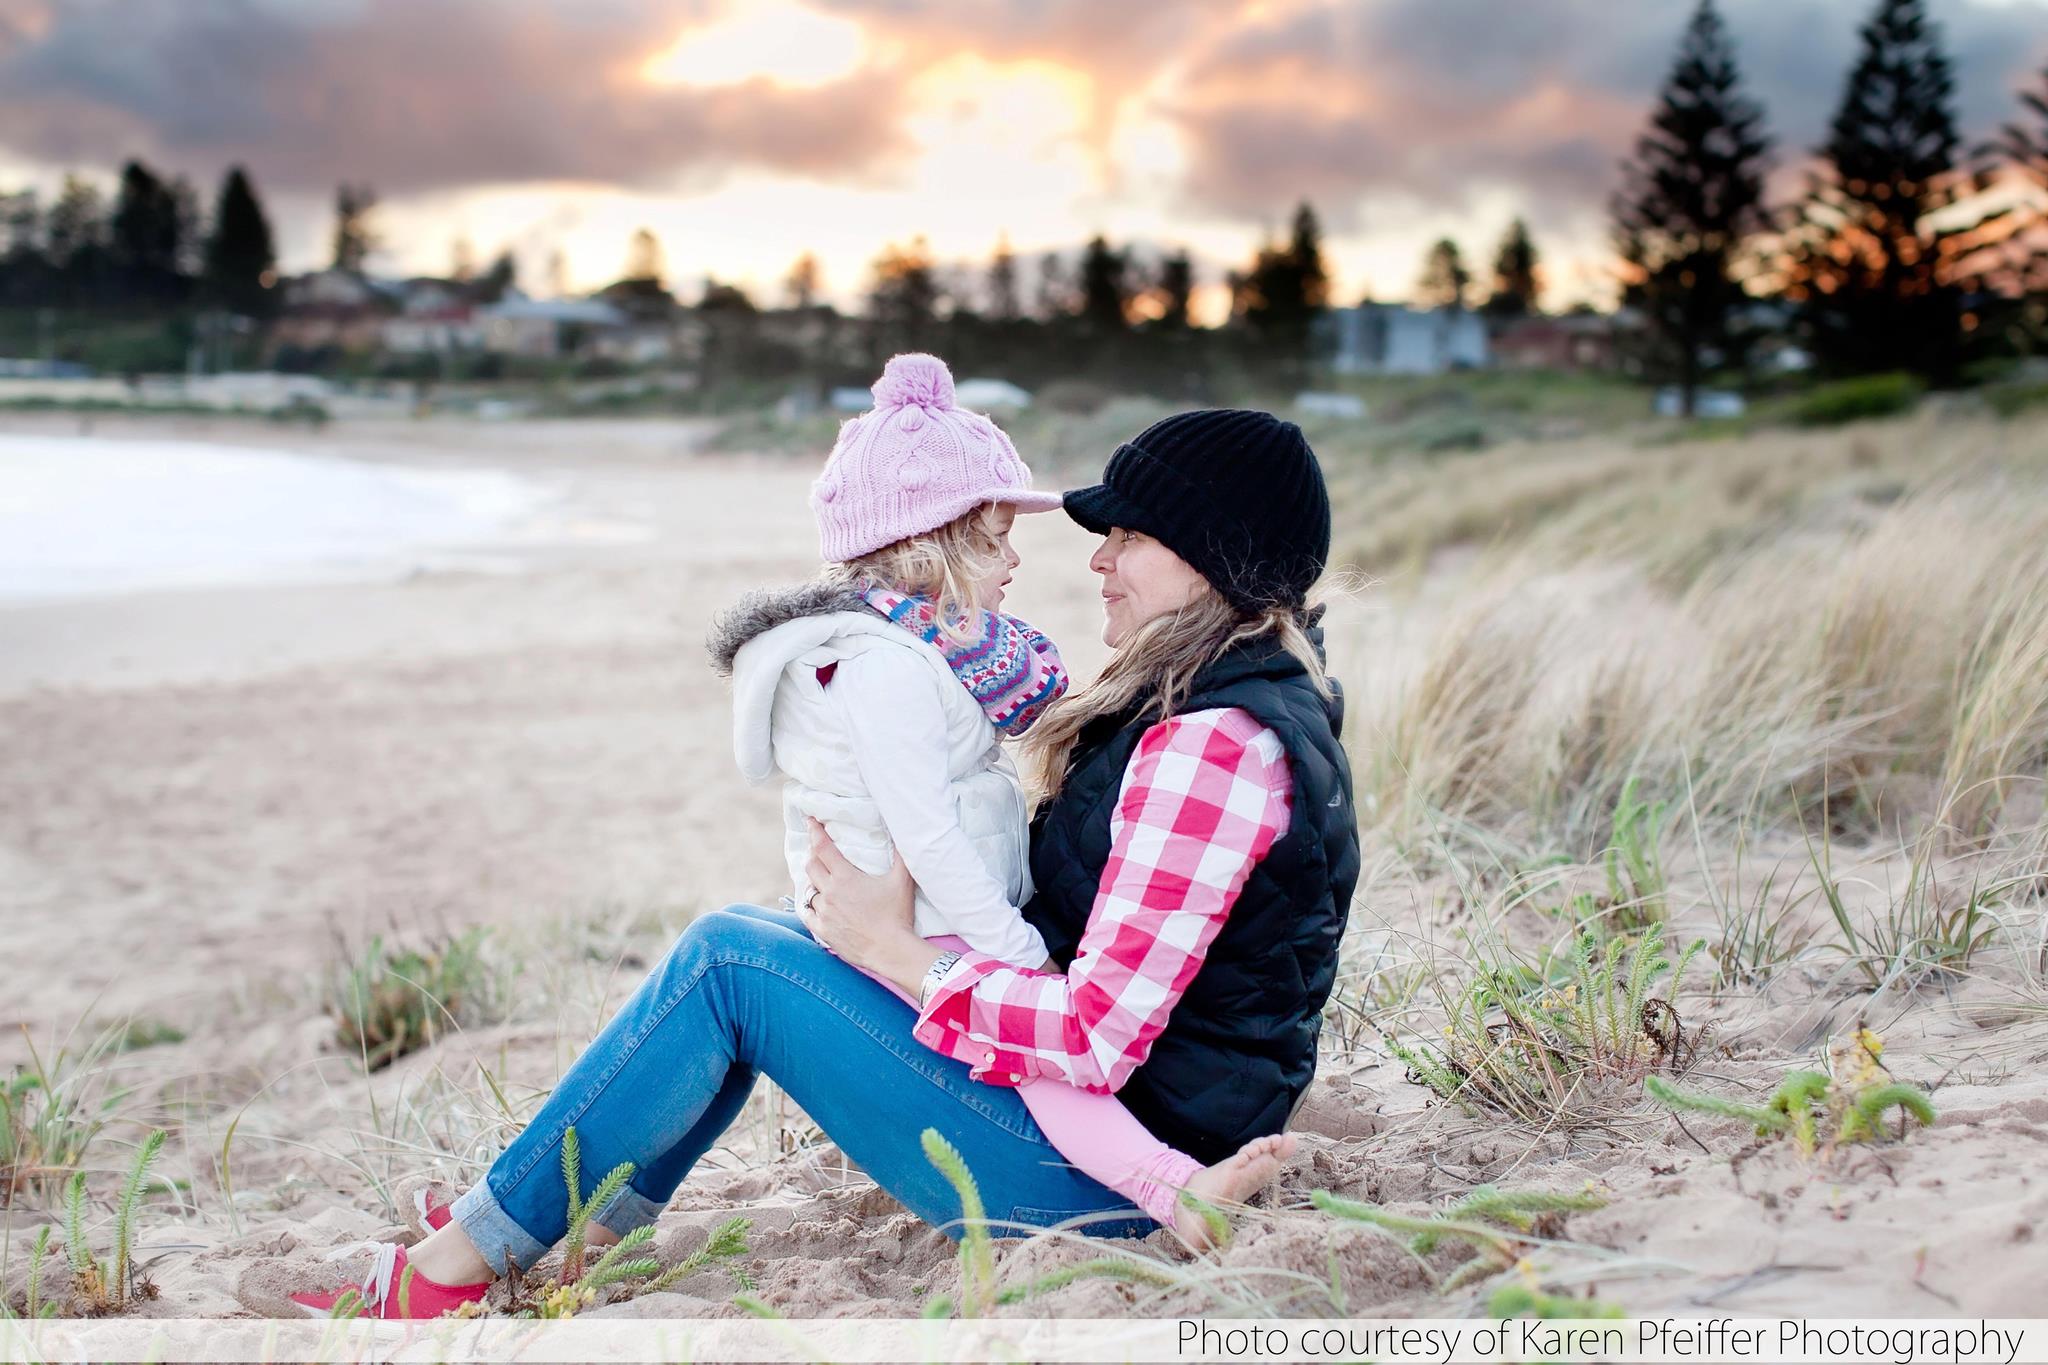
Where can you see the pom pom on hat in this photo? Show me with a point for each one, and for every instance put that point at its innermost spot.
(917, 380)
(914, 462)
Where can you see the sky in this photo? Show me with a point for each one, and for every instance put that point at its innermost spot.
(744, 133)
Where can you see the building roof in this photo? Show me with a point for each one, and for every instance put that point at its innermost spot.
(587, 311)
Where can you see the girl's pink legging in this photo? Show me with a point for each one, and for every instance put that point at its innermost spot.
(1099, 1136)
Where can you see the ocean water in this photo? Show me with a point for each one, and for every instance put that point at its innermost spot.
(81, 515)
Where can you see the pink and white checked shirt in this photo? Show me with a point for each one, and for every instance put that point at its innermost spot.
(1204, 797)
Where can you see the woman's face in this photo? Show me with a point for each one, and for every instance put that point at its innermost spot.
(1141, 579)
(1001, 517)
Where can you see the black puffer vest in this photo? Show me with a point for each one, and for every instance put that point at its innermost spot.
(1240, 1046)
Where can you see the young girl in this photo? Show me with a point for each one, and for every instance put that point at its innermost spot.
(881, 694)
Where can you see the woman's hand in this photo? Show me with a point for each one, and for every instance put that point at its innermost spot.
(865, 919)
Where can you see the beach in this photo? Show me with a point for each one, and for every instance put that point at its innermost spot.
(209, 791)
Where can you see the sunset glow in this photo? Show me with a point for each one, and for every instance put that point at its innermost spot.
(745, 133)
(784, 43)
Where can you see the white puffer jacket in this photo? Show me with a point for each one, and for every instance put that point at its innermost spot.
(887, 747)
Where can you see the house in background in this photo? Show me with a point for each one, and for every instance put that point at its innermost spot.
(1391, 338)
(545, 328)
(339, 309)
(435, 317)
(1572, 341)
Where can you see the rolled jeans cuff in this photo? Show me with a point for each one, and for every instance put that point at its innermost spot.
(497, 1237)
(626, 1210)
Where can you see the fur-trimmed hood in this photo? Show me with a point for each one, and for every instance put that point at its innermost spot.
(764, 609)
(767, 634)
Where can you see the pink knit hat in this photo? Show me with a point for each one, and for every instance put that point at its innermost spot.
(912, 463)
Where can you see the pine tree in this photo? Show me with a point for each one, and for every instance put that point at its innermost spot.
(904, 302)
(1284, 292)
(1692, 196)
(644, 258)
(1176, 285)
(76, 224)
(804, 281)
(2027, 147)
(1444, 279)
(240, 259)
(1105, 293)
(503, 275)
(1055, 288)
(1514, 275)
(2024, 145)
(1311, 276)
(21, 223)
(1882, 287)
(143, 235)
(190, 229)
(353, 238)
(75, 243)
(1004, 304)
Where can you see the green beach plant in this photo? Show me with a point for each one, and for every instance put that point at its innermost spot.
(583, 1283)
(1635, 869)
(1858, 399)
(979, 1292)
(1535, 1045)
(977, 1255)
(727, 1242)
(1816, 1110)
(34, 1305)
(387, 1000)
(1496, 1223)
(1922, 930)
(107, 1286)
(1517, 1300)
(50, 1113)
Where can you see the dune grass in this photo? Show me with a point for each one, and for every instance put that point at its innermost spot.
(1780, 702)
(52, 1110)
(1884, 673)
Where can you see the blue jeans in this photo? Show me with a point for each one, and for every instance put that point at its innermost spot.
(747, 992)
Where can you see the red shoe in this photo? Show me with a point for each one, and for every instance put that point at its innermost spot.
(426, 1204)
(381, 1286)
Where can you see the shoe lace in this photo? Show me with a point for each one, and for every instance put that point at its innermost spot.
(376, 1285)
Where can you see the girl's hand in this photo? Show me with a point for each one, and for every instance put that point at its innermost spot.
(865, 919)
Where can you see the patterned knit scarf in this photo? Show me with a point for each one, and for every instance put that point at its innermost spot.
(1008, 667)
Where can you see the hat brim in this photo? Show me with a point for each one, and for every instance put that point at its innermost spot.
(1100, 508)
(1023, 499)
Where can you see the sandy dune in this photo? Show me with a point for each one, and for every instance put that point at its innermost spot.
(201, 789)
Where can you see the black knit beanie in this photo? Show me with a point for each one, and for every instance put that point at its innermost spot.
(1236, 493)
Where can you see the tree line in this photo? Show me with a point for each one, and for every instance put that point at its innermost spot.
(151, 249)
(1888, 260)
(1893, 258)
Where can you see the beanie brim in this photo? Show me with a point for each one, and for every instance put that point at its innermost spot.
(1100, 509)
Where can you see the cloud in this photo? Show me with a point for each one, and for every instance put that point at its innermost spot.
(414, 96)
(1435, 100)
(1369, 108)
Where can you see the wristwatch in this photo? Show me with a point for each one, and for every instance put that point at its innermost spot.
(934, 975)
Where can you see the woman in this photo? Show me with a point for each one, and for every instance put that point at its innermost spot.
(1194, 863)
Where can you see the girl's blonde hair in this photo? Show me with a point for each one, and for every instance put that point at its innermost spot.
(1157, 665)
(945, 566)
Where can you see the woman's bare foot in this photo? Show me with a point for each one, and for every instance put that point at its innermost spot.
(1231, 1181)
(447, 1256)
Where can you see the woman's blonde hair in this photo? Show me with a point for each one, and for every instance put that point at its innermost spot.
(1157, 665)
(945, 566)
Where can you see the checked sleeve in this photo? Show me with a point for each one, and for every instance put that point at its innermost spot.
(1204, 797)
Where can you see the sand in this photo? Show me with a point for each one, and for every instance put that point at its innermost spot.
(202, 789)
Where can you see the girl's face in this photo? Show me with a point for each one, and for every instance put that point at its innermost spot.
(1141, 579)
(1001, 517)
